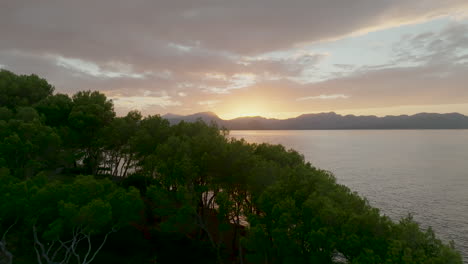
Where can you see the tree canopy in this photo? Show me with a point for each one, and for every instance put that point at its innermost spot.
(80, 185)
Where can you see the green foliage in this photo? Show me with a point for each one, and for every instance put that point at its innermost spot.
(27, 114)
(91, 111)
(56, 109)
(152, 131)
(184, 192)
(28, 147)
(90, 115)
(58, 211)
(22, 90)
(411, 245)
(5, 113)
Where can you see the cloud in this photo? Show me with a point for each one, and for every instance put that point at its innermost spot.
(344, 66)
(433, 47)
(209, 102)
(323, 97)
(437, 79)
(141, 102)
(92, 69)
(286, 65)
(236, 81)
(108, 28)
(111, 30)
(217, 50)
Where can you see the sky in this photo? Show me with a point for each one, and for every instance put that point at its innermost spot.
(272, 58)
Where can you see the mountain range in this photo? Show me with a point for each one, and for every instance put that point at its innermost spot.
(331, 121)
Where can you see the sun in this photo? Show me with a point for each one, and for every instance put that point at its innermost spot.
(243, 110)
(240, 113)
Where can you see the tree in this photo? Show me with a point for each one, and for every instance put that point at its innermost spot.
(118, 156)
(70, 220)
(236, 201)
(27, 114)
(90, 115)
(55, 109)
(5, 254)
(29, 147)
(5, 113)
(22, 90)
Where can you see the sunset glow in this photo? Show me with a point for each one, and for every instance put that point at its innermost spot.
(377, 58)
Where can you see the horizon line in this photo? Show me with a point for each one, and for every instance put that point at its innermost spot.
(312, 113)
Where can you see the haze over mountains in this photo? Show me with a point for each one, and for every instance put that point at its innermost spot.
(331, 121)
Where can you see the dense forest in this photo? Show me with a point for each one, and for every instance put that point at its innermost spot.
(80, 185)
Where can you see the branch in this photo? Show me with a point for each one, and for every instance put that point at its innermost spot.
(5, 252)
(67, 252)
(3, 245)
(41, 246)
(38, 255)
(89, 248)
(211, 201)
(99, 248)
(8, 229)
(76, 240)
(62, 244)
(202, 225)
(50, 248)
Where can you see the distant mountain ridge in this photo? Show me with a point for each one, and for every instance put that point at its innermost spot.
(331, 121)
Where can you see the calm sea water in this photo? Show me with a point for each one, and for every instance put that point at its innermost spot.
(423, 172)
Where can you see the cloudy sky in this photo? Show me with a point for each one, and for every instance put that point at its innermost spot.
(273, 58)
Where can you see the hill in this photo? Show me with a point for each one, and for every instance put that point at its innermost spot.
(332, 121)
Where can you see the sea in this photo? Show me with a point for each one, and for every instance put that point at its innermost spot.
(422, 172)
